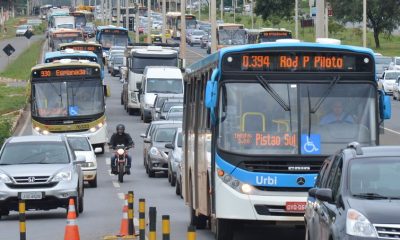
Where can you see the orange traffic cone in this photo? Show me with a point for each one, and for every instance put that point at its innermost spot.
(124, 231)
(71, 230)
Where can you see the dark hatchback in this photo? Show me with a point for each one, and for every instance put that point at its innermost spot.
(356, 196)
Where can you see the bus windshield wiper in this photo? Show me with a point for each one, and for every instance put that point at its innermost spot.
(325, 95)
(273, 93)
(370, 196)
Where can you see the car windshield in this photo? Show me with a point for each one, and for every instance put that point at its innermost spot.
(382, 63)
(176, 110)
(79, 143)
(198, 33)
(63, 99)
(159, 102)
(392, 75)
(232, 37)
(109, 40)
(369, 177)
(163, 85)
(164, 135)
(118, 60)
(140, 63)
(327, 117)
(34, 153)
(168, 105)
(22, 27)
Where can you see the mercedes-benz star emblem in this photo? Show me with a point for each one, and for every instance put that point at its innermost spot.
(31, 179)
(301, 181)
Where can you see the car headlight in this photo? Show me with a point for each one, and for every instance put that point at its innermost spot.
(4, 178)
(235, 183)
(155, 152)
(62, 176)
(358, 225)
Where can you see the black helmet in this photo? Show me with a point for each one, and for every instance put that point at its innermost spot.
(120, 127)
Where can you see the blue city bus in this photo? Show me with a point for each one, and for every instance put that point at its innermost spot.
(273, 112)
(86, 46)
(109, 36)
(73, 54)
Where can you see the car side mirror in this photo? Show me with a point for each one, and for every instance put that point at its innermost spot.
(142, 135)
(158, 111)
(324, 194)
(80, 159)
(169, 146)
(98, 150)
(146, 140)
(312, 191)
(163, 118)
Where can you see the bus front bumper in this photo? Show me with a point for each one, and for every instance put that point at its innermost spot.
(271, 207)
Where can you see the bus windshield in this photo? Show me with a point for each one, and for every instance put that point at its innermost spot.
(139, 63)
(59, 40)
(190, 23)
(80, 21)
(231, 37)
(109, 40)
(65, 99)
(326, 118)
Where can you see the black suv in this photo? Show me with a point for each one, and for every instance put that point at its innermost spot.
(356, 195)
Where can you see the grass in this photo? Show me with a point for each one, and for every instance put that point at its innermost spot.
(11, 98)
(20, 68)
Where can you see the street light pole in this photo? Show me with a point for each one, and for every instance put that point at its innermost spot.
(222, 10)
(213, 26)
(118, 13)
(319, 23)
(183, 32)
(365, 23)
(136, 23)
(102, 11)
(164, 12)
(127, 14)
(149, 21)
(296, 13)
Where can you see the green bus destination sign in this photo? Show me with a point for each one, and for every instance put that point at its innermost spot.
(297, 62)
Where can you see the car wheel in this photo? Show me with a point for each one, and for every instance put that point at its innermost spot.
(151, 173)
(122, 100)
(4, 212)
(131, 111)
(169, 176)
(173, 180)
(178, 188)
(80, 207)
(93, 183)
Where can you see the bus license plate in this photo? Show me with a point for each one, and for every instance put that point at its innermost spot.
(298, 207)
(31, 195)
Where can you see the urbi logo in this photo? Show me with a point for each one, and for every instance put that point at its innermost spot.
(270, 181)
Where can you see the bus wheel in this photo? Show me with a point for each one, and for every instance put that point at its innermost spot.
(224, 230)
(199, 221)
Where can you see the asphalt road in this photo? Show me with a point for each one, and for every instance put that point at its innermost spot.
(103, 205)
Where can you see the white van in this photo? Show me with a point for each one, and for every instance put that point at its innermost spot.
(158, 80)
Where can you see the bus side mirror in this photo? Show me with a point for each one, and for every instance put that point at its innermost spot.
(107, 91)
(212, 94)
(385, 108)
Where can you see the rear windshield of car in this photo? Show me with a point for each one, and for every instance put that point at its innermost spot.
(375, 177)
(164, 135)
(168, 105)
(34, 153)
(79, 144)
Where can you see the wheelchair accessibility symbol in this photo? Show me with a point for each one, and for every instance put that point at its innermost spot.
(310, 144)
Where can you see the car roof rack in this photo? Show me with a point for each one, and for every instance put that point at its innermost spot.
(356, 146)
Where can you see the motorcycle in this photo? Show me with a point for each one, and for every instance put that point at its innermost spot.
(121, 161)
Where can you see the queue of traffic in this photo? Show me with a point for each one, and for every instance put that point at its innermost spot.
(276, 129)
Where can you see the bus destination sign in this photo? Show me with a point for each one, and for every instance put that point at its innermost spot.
(114, 31)
(277, 34)
(297, 62)
(69, 72)
(81, 48)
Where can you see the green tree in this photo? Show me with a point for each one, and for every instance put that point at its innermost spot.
(382, 16)
(267, 9)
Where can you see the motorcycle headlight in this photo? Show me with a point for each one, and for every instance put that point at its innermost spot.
(120, 151)
(358, 225)
(62, 176)
(155, 152)
(4, 178)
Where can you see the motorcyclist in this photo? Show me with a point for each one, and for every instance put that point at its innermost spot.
(118, 138)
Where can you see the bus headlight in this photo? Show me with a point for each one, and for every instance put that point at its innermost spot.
(45, 132)
(97, 127)
(93, 129)
(234, 183)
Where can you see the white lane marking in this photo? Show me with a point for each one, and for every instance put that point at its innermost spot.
(198, 54)
(392, 131)
(121, 196)
(25, 124)
(116, 185)
(108, 160)
(136, 223)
